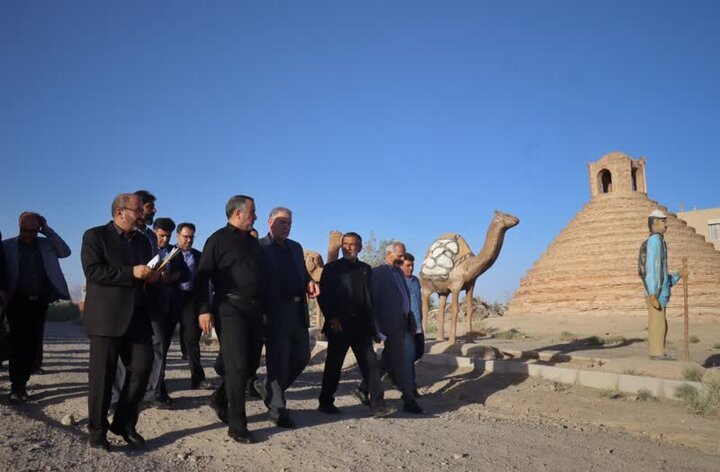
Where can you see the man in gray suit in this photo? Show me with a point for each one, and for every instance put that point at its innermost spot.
(394, 317)
(285, 283)
(34, 280)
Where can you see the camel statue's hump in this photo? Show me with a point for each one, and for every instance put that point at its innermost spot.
(443, 256)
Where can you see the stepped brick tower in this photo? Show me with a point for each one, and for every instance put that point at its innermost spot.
(591, 266)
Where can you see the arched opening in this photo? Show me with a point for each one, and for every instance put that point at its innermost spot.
(605, 181)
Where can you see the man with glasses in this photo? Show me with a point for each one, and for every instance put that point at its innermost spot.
(189, 330)
(117, 319)
(34, 280)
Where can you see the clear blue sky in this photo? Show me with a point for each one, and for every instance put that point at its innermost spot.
(409, 119)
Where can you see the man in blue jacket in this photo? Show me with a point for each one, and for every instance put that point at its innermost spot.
(658, 283)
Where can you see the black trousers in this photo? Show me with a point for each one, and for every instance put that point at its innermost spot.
(27, 319)
(239, 333)
(190, 333)
(361, 345)
(135, 350)
(287, 352)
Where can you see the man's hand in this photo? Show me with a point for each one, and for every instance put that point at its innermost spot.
(142, 272)
(654, 302)
(313, 289)
(42, 222)
(335, 325)
(205, 321)
(145, 273)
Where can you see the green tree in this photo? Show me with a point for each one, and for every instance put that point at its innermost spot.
(373, 252)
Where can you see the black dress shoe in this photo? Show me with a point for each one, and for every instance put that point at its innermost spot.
(413, 407)
(39, 371)
(362, 396)
(163, 402)
(131, 436)
(19, 396)
(329, 408)
(281, 419)
(99, 443)
(242, 435)
(201, 384)
(380, 410)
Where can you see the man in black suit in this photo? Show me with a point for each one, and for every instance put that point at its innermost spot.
(231, 261)
(114, 258)
(285, 283)
(346, 303)
(189, 329)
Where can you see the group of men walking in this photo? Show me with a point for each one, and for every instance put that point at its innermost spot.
(252, 292)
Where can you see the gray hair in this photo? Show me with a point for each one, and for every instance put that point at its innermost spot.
(237, 202)
(121, 201)
(276, 210)
(390, 248)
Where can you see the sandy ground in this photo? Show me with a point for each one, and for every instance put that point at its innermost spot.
(472, 422)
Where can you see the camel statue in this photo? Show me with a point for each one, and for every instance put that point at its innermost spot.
(314, 262)
(450, 267)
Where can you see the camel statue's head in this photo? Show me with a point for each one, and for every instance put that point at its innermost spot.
(506, 220)
(314, 264)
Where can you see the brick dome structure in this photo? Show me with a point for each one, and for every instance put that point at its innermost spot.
(591, 266)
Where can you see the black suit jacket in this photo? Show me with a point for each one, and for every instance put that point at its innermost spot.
(345, 294)
(274, 308)
(112, 292)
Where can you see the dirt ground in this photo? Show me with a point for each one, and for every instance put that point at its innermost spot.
(472, 422)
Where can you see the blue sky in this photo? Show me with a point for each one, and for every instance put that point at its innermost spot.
(406, 119)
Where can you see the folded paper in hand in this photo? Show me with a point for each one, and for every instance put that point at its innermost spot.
(155, 263)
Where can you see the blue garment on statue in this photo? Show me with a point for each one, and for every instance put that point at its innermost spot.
(657, 280)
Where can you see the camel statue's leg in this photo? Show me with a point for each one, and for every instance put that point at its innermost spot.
(454, 314)
(425, 293)
(441, 318)
(468, 316)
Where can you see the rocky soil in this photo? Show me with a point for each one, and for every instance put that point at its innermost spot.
(472, 422)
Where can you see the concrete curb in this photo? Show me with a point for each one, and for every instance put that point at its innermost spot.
(661, 388)
(517, 365)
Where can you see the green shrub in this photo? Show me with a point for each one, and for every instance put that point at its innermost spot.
(567, 336)
(716, 346)
(511, 333)
(613, 340)
(594, 341)
(701, 404)
(692, 373)
(644, 395)
(610, 394)
(693, 339)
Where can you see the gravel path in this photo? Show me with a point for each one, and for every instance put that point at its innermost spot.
(462, 430)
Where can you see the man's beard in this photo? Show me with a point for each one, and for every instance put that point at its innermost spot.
(397, 263)
(148, 219)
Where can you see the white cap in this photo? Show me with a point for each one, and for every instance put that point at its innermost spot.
(657, 214)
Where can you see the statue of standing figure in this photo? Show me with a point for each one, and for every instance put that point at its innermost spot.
(652, 268)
